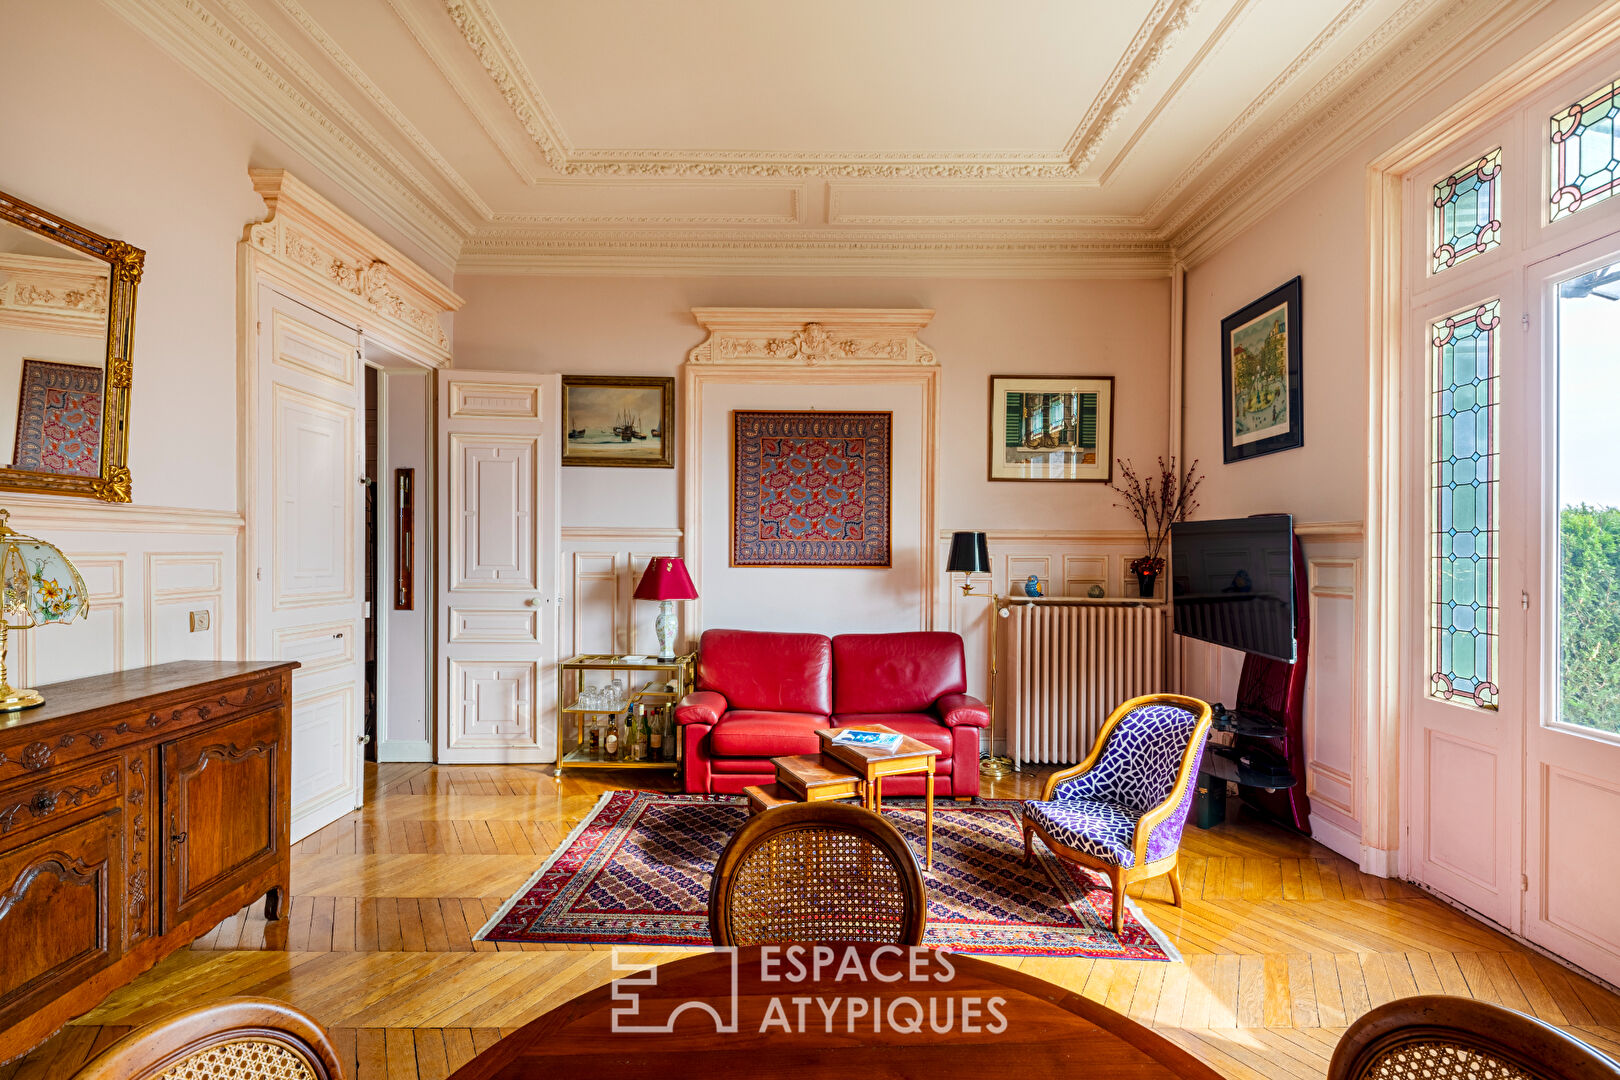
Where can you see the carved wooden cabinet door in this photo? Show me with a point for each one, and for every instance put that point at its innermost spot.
(59, 917)
(221, 817)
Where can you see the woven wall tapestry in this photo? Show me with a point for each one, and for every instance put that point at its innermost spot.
(59, 419)
(810, 488)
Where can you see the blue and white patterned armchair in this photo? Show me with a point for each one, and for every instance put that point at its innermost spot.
(1122, 809)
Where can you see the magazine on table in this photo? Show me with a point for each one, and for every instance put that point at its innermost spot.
(877, 740)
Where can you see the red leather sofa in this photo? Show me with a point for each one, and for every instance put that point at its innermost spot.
(764, 695)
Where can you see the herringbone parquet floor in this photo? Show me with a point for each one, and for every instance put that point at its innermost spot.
(1285, 943)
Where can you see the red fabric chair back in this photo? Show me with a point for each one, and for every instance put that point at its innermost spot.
(878, 673)
(753, 669)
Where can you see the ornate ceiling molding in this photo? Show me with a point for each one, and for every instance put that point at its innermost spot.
(1370, 46)
(1162, 27)
(1339, 111)
(432, 206)
(481, 28)
(839, 190)
(813, 337)
(205, 45)
(960, 253)
(384, 292)
(61, 296)
(384, 104)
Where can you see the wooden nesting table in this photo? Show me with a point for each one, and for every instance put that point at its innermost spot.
(843, 771)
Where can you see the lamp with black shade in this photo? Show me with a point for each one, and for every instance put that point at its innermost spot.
(970, 554)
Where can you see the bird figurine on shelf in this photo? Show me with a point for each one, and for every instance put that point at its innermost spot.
(1032, 586)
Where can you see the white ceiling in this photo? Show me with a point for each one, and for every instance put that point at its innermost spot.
(985, 136)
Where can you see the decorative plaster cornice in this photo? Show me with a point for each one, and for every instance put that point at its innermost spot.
(1162, 27)
(977, 252)
(315, 239)
(481, 28)
(487, 38)
(831, 337)
(202, 43)
(1092, 224)
(514, 228)
(263, 75)
(345, 63)
(64, 296)
(1340, 110)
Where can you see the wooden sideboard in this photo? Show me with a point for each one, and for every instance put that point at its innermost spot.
(137, 810)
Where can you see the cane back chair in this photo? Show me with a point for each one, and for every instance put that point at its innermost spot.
(229, 1039)
(817, 871)
(1432, 1037)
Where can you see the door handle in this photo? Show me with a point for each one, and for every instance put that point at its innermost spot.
(533, 601)
(177, 838)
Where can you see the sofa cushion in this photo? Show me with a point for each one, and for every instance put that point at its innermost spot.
(1091, 826)
(768, 672)
(908, 672)
(919, 726)
(749, 765)
(765, 734)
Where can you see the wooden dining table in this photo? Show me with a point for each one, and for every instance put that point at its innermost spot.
(851, 1011)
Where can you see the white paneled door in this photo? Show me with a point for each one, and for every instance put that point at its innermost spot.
(1467, 632)
(499, 453)
(1572, 504)
(307, 572)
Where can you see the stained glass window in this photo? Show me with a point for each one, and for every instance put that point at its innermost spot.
(1464, 441)
(1585, 157)
(1465, 212)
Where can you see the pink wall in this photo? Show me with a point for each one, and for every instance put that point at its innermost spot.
(644, 326)
(1320, 232)
(144, 151)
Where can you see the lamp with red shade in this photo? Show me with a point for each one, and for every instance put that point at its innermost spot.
(666, 581)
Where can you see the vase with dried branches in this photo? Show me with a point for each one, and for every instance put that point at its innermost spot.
(1157, 503)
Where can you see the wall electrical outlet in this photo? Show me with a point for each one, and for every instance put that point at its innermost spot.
(199, 620)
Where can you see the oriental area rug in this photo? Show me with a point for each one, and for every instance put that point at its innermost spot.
(636, 871)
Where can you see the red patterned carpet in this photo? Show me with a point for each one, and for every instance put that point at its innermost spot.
(636, 872)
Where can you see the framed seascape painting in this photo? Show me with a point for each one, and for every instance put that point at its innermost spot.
(1052, 427)
(811, 488)
(626, 421)
(1262, 389)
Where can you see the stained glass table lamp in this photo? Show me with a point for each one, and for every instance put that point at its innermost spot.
(38, 586)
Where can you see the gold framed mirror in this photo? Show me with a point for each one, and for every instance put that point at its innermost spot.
(67, 315)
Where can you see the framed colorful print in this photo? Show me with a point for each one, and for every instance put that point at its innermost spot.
(1052, 427)
(623, 421)
(59, 419)
(1262, 388)
(810, 488)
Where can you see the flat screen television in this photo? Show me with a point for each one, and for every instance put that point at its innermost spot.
(1233, 583)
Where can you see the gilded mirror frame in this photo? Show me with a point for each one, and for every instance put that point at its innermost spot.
(125, 261)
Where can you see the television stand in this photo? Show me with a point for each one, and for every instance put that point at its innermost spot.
(1267, 756)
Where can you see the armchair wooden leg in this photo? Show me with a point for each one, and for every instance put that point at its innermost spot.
(1116, 874)
(1175, 883)
(1029, 841)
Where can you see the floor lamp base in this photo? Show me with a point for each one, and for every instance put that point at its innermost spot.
(996, 765)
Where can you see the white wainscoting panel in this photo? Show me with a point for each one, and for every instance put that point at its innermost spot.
(603, 566)
(493, 507)
(145, 569)
(497, 699)
(1334, 713)
(1065, 564)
